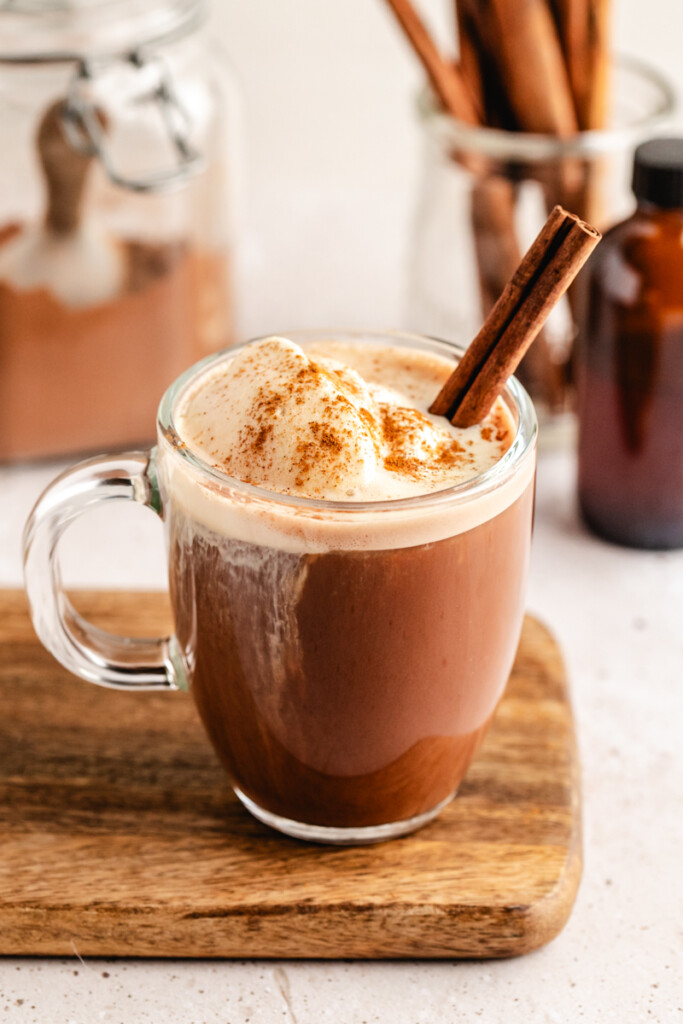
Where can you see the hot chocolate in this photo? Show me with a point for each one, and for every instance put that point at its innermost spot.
(349, 631)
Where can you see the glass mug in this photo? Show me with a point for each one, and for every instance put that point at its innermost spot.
(345, 657)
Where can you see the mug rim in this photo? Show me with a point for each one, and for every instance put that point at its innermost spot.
(494, 476)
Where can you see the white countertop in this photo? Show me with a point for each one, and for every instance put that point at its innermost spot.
(617, 615)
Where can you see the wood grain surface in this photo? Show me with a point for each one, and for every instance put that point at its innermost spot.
(119, 834)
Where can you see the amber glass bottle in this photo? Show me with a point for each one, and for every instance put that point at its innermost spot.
(630, 364)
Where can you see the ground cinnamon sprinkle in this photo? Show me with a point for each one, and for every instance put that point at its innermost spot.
(403, 464)
(322, 441)
(369, 420)
(262, 436)
(325, 442)
(501, 426)
(450, 455)
(400, 427)
(319, 430)
(326, 438)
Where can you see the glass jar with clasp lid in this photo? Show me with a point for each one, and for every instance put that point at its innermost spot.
(119, 129)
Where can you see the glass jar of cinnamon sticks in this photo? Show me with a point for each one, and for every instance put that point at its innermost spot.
(117, 129)
(484, 194)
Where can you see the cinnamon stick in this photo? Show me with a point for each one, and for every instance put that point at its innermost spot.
(494, 198)
(498, 255)
(584, 33)
(478, 66)
(445, 77)
(561, 248)
(524, 44)
(470, 67)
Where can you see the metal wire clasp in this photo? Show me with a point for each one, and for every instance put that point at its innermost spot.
(84, 128)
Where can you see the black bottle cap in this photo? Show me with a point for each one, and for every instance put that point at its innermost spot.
(658, 172)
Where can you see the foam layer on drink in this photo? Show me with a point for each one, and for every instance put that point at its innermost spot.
(339, 422)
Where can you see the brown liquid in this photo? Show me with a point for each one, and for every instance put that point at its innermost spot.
(89, 378)
(631, 384)
(350, 688)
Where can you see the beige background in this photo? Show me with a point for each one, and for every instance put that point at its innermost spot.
(333, 147)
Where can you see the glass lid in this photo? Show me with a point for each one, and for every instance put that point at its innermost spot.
(45, 30)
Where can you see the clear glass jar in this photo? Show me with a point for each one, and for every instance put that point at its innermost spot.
(120, 134)
(484, 196)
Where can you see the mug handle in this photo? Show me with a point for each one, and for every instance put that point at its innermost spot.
(84, 649)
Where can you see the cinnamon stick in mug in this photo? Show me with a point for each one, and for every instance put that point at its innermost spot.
(562, 247)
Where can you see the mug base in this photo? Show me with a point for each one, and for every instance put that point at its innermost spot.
(329, 834)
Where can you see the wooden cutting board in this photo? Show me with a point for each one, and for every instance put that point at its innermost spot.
(119, 834)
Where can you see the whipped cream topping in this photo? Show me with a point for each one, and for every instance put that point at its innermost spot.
(338, 421)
